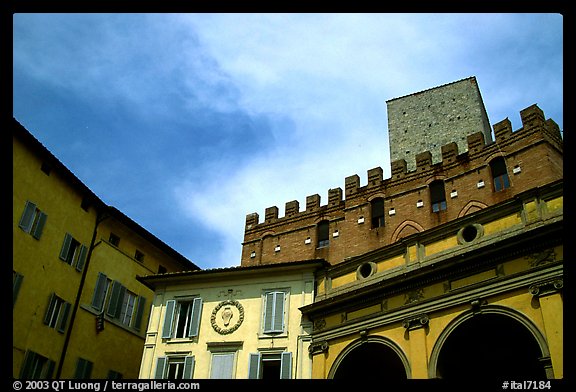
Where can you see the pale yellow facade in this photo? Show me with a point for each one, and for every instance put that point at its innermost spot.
(232, 334)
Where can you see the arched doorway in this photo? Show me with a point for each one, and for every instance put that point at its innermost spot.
(369, 359)
(490, 345)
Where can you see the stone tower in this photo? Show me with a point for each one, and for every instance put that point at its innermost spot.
(430, 119)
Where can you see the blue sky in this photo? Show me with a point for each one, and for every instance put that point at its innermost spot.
(189, 122)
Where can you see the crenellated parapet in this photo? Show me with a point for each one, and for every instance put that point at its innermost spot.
(407, 205)
(533, 120)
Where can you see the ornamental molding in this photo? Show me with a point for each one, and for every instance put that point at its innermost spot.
(415, 322)
(546, 287)
(318, 347)
(222, 323)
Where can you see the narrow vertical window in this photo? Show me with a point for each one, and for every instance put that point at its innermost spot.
(377, 212)
(274, 312)
(499, 174)
(437, 196)
(83, 369)
(323, 230)
(16, 283)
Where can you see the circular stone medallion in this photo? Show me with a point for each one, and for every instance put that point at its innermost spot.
(227, 316)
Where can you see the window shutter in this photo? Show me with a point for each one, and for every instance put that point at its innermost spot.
(139, 313)
(40, 225)
(274, 312)
(83, 369)
(26, 369)
(81, 258)
(254, 365)
(195, 317)
(16, 283)
(27, 217)
(188, 367)
(167, 328)
(65, 309)
(222, 366)
(50, 309)
(160, 367)
(286, 365)
(116, 298)
(278, 325)
(99, 291)
(50, 364)
(65, 247)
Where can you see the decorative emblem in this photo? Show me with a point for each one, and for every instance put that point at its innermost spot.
(227, 317)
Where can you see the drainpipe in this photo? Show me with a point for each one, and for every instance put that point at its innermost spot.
(101, 215)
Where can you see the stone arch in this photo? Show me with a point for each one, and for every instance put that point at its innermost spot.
(471, 207)
(495, 310)
(405, 229)
(391, 357)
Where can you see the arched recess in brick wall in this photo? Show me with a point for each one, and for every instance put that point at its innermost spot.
(406, 228)
(470, 207)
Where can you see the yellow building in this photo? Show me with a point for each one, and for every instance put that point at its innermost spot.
(238, 322)
(477, 297)
(78, 310)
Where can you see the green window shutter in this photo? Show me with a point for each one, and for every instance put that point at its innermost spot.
(27, 218)
(39, 225)
(286, 365)
(64, 311)
(195, 315)
(26, 369)
(116, 298)
(167, 328)
(139, 313)
(189, 363)
(49, 369)
(16, 283)
(222, 366)
(83, 369)
(160, 368)
(274, 312)
(65, 247)
(50, 308)
(99, 291)
(81, 258)
(254, 365)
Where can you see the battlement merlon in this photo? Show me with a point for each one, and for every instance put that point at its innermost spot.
(532, 119)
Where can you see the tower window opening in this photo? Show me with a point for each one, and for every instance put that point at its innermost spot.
(377, 212)
(499, 174)
(437, 196)
(323, 234)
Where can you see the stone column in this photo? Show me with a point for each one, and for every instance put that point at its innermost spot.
(552, 308)
(416, 328)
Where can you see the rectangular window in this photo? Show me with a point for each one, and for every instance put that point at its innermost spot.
(437, 196)
(114, 375)
(83, 369)
(56, 314)
(182, 318)
(36, 367)
(323, 231)
(274, 312)
(377, 212)
(270, 366)
(139, 256)
(73, 252)
(175, 367)
(32, 220)
(499, 174)
(117, 302)
(114, 239)
(222, 366)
